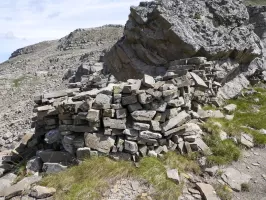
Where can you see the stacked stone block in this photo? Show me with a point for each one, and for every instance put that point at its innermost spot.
(130, 119)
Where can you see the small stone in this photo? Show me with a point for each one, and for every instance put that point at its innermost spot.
(127, 100)
(176, 102)
(131, 147)
(40, 192)
(121, 113)
(117, 98)
(53, 168)
(102, 101)
(159, 106)
(160, 117)
(207, 191)
(235, 178)
(145, 98)
(114, 123)
(148, 81)
(156, 126)
(230, 108)
(149, 135)
(143, 115)
(152, 154)
(99, 142)
(212, 171)
(109, 113)
(229, 117)
(247, 140)
(134, 107)
(180, 119)
(141, 126)
(173, 175)
(34, 165)
(93, 115)
(83, 153)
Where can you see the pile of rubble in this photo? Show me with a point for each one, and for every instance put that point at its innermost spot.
(125, 120)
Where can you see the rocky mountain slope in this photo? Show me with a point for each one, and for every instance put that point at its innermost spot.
(40, 68)
(174, 56)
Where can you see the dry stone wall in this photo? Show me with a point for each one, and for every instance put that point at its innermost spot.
(127, 120)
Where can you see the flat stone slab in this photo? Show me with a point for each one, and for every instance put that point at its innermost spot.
(99, 142)
(235, 178)
(143, 115)
(207, 191)
(180, 119)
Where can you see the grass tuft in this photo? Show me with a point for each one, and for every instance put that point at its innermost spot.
(223, 191)
(95, 175)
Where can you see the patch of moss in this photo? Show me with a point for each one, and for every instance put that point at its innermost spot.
(17, 81)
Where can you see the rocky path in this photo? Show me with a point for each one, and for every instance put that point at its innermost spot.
(253, 163)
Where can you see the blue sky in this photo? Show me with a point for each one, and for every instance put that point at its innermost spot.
(25, 22)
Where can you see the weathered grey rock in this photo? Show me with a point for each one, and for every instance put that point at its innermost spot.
(235, 178)
(99, 142)
(180, 119)
(149, 135)
(144, 98)
(131, 132)
(50, 168)
(176, 102)
(134, 107)
(53, 136)
(121, 113)
(200, 145)
(143, 115)
(131, 147)
(198, 80)
(114, 123)
(93, 115)
(34, 165)
(20, 187)
(160, 117)
(173, 175)
(173, 112)
(55, 156)
(127, 100)
(212, 171)
(229, 117)
(148, 80)
(6, 181)
(230, 108)
(159, 106)
(83, 153)
(142, 49)
(141, 126)
(234, 87)
(102, 101)
(40, 192)
(247, 140)
(207, 191)
(155, 126)
(109, 113)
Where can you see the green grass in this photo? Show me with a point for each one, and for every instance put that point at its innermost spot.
(223, 152)
(95, 175)
(249, 117)
(223, 191)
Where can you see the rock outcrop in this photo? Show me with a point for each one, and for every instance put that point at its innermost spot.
(162, 31)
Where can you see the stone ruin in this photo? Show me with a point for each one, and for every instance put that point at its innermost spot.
(126, 120)
(171, 63)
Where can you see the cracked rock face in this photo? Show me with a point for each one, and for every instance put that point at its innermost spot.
(162, 31)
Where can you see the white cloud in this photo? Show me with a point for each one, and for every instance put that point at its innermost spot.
(29, 21)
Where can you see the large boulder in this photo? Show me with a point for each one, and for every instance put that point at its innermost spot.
(158, 32)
